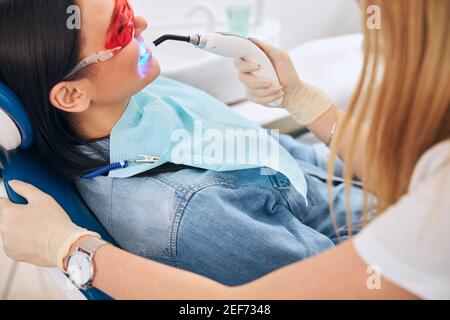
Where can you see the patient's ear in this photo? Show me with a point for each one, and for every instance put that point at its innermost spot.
(72, 96)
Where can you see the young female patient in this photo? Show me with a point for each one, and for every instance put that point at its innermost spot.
(232, 226)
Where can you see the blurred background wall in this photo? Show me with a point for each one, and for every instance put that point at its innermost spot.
(301, 20)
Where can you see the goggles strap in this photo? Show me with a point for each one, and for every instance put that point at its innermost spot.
(100, 56)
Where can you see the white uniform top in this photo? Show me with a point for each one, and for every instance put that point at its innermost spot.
(410, 242)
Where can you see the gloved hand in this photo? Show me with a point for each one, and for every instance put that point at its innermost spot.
(305, 102)
(40, 233)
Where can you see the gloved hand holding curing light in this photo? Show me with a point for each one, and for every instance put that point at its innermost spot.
(41, 232)
(305, 102)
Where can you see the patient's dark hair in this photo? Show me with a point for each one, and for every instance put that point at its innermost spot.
(37, 50)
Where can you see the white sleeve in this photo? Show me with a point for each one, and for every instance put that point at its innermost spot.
(410, 242)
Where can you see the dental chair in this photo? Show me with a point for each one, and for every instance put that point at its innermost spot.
(16, 137)
(332, 64)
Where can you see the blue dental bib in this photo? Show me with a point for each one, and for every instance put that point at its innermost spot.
(183, 125)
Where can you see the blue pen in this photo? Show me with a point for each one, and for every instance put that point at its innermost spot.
(142, 158)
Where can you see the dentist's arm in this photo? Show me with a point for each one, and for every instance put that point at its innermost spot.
(308, 105)
(126, 276)
(41, 233)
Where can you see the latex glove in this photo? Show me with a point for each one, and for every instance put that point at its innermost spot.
(305, 102)
(40, 233)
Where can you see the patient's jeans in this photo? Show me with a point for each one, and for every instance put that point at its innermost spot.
(233, 227)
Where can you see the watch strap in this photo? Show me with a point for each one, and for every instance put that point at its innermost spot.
(92, 245)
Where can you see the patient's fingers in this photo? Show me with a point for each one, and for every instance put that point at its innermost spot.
(254, 82)
(246, 66)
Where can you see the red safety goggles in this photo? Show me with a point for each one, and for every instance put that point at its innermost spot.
(122, 29)
(121, 32)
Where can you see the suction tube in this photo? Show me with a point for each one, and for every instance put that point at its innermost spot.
(195, 40)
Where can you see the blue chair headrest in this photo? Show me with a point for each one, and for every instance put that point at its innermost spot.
(14, 108)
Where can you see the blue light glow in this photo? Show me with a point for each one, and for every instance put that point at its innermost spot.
(144, 54)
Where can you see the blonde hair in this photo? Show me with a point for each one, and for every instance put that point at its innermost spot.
(403, 93)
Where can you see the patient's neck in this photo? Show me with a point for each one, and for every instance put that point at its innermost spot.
(98, 121)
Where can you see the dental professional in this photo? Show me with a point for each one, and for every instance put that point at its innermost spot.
(395, 136)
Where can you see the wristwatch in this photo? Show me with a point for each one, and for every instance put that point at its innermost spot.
(81, 266)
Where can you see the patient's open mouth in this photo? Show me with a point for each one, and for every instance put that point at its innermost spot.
(144, 54)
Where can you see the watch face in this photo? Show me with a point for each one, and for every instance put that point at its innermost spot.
(80, 268)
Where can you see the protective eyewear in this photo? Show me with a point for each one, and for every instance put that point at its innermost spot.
(120, 34)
